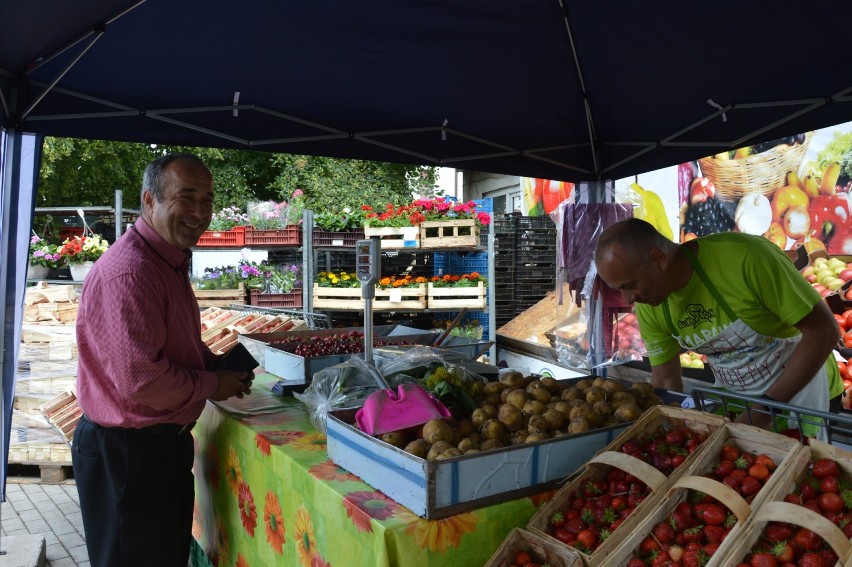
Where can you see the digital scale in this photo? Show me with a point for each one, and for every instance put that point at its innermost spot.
(368, 266)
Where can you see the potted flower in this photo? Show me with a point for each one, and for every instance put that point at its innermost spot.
(337, 279)
(338, 228)
(397, 226)
(275, 224)
(452, 291)
(81, 252)
(44, 257)
(450, 223)
(276, 286)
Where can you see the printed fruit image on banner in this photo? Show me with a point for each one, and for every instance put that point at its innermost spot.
(542, 196)
(794, 191)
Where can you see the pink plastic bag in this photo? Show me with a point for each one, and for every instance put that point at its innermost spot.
(386, 410)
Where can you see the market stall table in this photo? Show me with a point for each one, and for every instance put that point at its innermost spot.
(267, 494)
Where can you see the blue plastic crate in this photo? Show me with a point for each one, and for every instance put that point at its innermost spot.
(466, 263)
(441, 263)
(483, 322)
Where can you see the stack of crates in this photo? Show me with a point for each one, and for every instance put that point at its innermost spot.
(524, 262)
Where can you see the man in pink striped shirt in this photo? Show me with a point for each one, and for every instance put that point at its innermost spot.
(144, 376)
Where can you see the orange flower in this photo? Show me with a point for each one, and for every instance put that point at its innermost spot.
(274, 522)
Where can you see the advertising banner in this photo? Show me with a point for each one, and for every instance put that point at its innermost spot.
(542, 196)
(795, 191)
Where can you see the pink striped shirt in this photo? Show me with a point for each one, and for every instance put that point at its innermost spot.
(141, 358)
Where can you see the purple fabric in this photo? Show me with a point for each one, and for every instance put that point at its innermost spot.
(582, 224)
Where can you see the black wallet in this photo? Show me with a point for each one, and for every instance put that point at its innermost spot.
(238, 359)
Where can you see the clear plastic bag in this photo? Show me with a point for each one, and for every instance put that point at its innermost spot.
(345, 385)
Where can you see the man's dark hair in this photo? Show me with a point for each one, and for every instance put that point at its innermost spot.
(152, 179)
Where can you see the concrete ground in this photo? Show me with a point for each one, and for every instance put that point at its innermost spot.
(35, 509)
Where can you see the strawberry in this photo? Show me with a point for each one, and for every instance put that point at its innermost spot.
(680, 520)
(830, 484)
(690, 536)
(729, 452)
(777, 531)
(739, 474)
(587, 539)
(830, 502)
(614, 474)
(678, 460)
(564, 536)
(648, 545)
(574, 525)
(631, 447)
(710, 514)
(732, 483)
(662, 559)
(591, 489)
(723, 469)
(663, 532)
(557, 520)
(793, 498)
(828, 556)
(750, 486)
(822, 468)
(766, 460)
(783, 552)
(710, 548)
(749, 459)
(522, 557)
(807, 540)
(763, 560)
(676, 553)
(618, 504)
(635, 562)
(811, 559)
(809, 488)
(714, 534)
(675, 437)
(758, 471)
(741, 462)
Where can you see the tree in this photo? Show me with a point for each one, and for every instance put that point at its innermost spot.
(87, 172)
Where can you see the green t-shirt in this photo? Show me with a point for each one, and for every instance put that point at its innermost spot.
(756, 279)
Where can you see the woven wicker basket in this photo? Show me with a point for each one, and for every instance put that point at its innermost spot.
(765, 172)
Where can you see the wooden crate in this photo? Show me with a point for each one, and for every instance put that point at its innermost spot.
(596, 469)
(456, 297)
(220, 297)
(395, 237)
(349, 298)
(449, 234)
(541, 550)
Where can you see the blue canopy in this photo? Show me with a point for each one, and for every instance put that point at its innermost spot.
(559, 89)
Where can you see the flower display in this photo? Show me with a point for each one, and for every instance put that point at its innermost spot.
(345, 220)
(297, 205)
(83, 249)
(337, 279)
(451, 280)
(389, 282)
(436, 209)
(268, 215)
(43, 253)
(228, 218)
(263, 276)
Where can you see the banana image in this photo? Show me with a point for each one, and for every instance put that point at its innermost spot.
(829, 179)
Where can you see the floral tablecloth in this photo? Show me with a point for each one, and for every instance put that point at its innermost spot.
(267, 494)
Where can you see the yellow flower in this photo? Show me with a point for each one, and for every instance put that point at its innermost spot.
(310, 442)
(305, 543)
(234, 472)
(438, 535)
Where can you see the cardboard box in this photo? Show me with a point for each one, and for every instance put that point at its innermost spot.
(441, 488)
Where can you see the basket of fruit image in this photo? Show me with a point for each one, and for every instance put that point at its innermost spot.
(591, 514)
(696, 522)
(806, 519)
(762, 167)
(526, 549)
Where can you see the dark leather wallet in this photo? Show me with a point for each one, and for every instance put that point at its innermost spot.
(238, 359)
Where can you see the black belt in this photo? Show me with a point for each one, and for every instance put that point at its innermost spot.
(157, 429)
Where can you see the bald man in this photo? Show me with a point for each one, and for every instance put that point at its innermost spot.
(734, 297)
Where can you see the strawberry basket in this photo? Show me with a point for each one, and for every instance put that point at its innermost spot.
(802, 507)
(605, 474)
(541, 551)
(695, 510)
